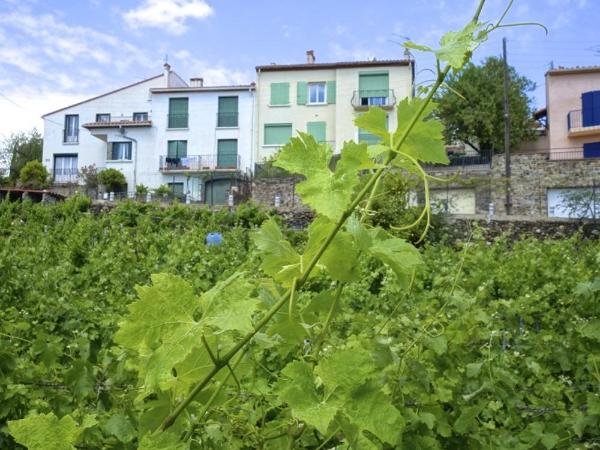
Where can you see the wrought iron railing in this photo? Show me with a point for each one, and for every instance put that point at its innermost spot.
(200, 163)
(227, 119)
(177, 120)
(583, 118)
(383, 98)
(484, 158)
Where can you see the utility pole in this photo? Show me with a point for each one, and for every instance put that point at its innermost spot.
(506, 131)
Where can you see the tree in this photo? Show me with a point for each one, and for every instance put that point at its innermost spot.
(112, 179)
(471, 106)
(18, 150)
(34, 175)
(89, 175)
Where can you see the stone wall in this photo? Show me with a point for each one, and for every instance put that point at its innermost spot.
(264, 191)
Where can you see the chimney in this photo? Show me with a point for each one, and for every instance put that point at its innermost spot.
(167, 73)
(310, 57)
(197, 82)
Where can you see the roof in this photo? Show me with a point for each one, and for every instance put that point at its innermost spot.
(239, 87)
(105, 94)
(334, 65)
(573, 70)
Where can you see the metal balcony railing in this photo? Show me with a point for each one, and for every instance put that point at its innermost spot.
(227, 119)
(384, 98)
(65, 176)
(177, 120)
(583, 118)
(200, 163)
(464, 161)
(138, 120)
(70, 136)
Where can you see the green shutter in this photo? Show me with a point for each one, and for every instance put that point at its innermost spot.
(228, 112)
(374, 84)
(227, 153)
(331, 92)
(178, 113)
(280, 93)
(302, 92)
(318, 130)
(278, 134)
(176, 149)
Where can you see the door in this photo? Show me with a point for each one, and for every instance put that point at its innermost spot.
(65, 169)
(227, 154)
(216, 192)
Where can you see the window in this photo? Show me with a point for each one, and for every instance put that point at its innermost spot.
(176, 189)
(278, 133)
(316, 93)
(280, 93)
(228, 112)
(71, 131)
(178, 113)
(176, 149)
(227, 153)
(373, 88)
(317, 129)
(140, 116)
(120, 151)
(590, 108)
(65, 169)
(102, 117)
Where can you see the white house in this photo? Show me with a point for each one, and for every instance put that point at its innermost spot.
(195, 139)
(324, 98)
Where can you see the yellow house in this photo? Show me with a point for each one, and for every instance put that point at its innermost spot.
(324, 98)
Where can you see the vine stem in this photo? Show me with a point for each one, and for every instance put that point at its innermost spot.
(367, 189)
(328, 320)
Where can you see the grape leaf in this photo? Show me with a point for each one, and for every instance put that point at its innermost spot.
(160, 327)
(120, 427)
(425, 140)
(329, 193)
(279, 259)
(297, 389)
(46, 431)
(374, 121)
(355, 364)
(228, 305)
(163, 441)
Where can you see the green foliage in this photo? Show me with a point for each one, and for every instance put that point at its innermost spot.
(18, 149)
(44, 431)
(141, 189)
(34, 175)
(163, 190)
(113, 180)
(472, 107)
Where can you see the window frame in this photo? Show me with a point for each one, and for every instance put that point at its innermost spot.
(99, 115)
(143, 113)
(71, 119)
(313, 84)
(123, 155)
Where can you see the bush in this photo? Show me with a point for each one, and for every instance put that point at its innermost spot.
(113, 180)
(89, 175)
(34, 175)
(141, 189)
(163, 190)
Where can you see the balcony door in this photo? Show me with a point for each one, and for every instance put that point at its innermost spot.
(228, 112)
(373, 88)
(65, 168)
(227, 154)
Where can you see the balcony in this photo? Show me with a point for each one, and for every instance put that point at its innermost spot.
(227, 119)
(584, 122)
(65, 176)
(384, 98)
(120, 122)
(71, 136)
(200, 163)
(177, 120)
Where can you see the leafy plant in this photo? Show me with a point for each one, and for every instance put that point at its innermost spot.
(163, 190)
(141, 189)
(34, 175)
(89, 175)
(112, 179)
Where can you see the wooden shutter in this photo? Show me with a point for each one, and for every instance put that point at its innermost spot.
(331, 92)
(374, 84)
(318, 130)
(228, 112)
(278, 134)
(280, 93)
(178, 113)
(227, 153)
(301, 92)
(591, 150)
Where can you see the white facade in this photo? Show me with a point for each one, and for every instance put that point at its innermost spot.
(341, 80)
(135, 137)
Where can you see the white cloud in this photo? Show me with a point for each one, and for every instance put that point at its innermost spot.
(169, 15)
(214, 74)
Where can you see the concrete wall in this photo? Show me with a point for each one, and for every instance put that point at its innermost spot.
(339, 117)
(563, 94)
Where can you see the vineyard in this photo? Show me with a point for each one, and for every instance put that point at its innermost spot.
(491, 345)
(123, 329)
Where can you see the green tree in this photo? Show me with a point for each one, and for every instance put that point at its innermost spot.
(112, 179)
(18, 149)
(471, 106)
(34, 175)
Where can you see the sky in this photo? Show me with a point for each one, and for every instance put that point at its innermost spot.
(56, 52)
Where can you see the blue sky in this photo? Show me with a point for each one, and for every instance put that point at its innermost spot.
(56, 52)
